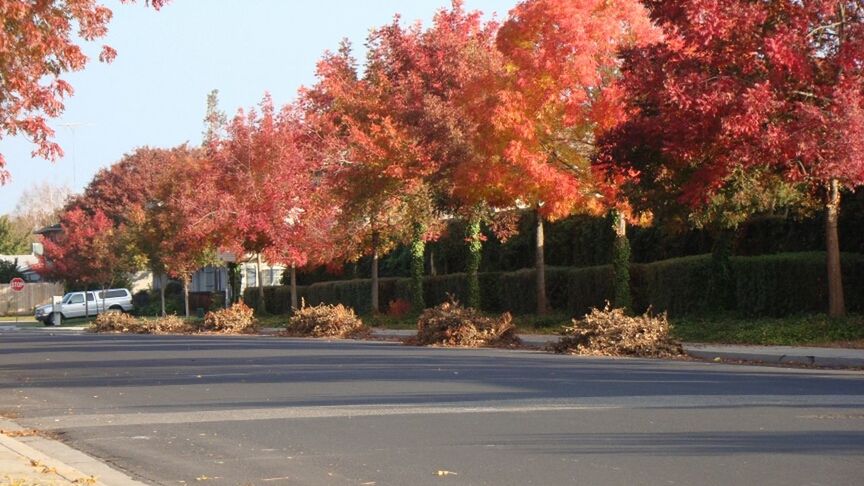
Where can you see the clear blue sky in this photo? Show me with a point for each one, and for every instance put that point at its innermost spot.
(154, 93)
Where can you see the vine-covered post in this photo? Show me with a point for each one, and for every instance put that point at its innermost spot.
(293, 287)
(376, 241)
(418, 249)
(621, 262)
(474, 238)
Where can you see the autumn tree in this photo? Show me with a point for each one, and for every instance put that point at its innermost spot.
(150, 192)
(164, 226)
(403, 128)
(255, 183)
(454, 63)
(754, 95)
(558, 95)
(89, 251)
(121, 192)
(367, 154)
(38, 47)
(131, 182)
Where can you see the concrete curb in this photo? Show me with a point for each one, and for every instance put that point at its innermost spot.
(826, 357)
(810, 356)
(69, 464)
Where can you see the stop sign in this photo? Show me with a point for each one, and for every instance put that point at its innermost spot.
(17, 284)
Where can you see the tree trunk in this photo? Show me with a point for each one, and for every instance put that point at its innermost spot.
(836, 302)
(375, 241)
(432, 270)
(540, 265)
(418, 260)
(293, 288)
(475, 248)
(261, 307)
(621, 262)
(186, 294)
(164, 283)
(233, 283)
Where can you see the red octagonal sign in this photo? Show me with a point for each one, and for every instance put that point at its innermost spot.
(17, 284)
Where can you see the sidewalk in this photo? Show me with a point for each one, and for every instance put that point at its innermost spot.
(30, 460)
(828, 357)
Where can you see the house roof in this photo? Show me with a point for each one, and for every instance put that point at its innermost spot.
(54, 228)
(25, 262)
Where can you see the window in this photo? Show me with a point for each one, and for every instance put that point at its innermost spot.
(111, 294)
(209, 279)
(251, 281)
(90, 297)
(76, 299)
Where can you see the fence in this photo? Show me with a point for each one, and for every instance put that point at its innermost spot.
(22, 303)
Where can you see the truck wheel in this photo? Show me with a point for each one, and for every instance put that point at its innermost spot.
(48, 319)
(116, 308)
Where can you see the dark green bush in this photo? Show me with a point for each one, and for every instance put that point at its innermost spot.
(772, 285)
(793, 283)
(677, 286)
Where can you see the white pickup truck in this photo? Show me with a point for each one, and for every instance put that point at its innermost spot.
(73, 305)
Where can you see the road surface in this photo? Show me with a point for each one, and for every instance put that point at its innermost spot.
(214, 410)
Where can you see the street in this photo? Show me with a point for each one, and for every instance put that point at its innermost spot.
(216, 410)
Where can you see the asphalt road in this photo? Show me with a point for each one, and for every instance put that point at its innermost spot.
(271, 411)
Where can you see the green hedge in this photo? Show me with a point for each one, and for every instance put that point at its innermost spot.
(772, 285)
(792, 283)
(677, 286)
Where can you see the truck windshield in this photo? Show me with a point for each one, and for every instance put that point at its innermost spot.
(66, 298)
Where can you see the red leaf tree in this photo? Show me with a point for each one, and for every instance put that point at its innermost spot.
(257, 185)
(163, 224)
(89, 251)
(765, 89)
(153, 194)
(37, 47)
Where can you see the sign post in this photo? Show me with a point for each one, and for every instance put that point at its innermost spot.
(56, 310)
(17, 286)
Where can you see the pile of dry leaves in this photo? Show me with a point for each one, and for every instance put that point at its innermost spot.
(237, 319)
(611, 332)
(450, 324)
(118, 322)
(326, 321)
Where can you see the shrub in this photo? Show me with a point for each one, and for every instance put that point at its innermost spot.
(450, 324)
(771, 285)
(398, 308)
(678, 286)
(118, 322)
(611, 332)
(237, 319)
(793, 283)
(326, 321)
